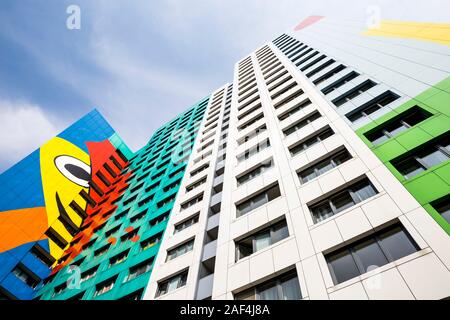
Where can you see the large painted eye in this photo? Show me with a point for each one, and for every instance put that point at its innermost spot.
(74, 169)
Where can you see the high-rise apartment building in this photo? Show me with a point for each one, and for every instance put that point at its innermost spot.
(321, 172)
(335, 183)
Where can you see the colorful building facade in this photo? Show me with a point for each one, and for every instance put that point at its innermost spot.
(113, 254)
(46, 197)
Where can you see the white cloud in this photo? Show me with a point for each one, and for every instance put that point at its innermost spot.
(24, 127)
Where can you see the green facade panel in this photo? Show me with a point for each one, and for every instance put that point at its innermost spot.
(434, 183)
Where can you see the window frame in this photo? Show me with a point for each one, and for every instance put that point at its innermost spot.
(377, 238)
(271, 229)
(349, 191)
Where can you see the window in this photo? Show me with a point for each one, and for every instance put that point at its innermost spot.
(89, 244)
(104, 286)
(372, 106)
(140, 269)
(186, 223)
(251, 121)
(118, 258)
(180, 250)
(284, 90)
(401, 123)
(442, 206)
(294, 109)
(353, 93)
(166, 201)
(258, 200)
(324, 165)
(339, 83)
(150, 242)
(288, 99)
(423, 157)
(172, 283)
(309, 142)
(200, 169)
(253, 150)
(102, 250)
(329, 74)
(320, 68)
(88, 274)
(130, 235)
(261, 239)
(56, 238)
(42, 255)
(261, 168)
(342, 200)
(369, 253)
(252, 134)
(138, 216)
(144, 201)
(310, 64)
(192, 202)
(302, 123)
(161, 218)
(59, 289)
(285, 287)
(196, 184)
(112, 231)
(26, 275)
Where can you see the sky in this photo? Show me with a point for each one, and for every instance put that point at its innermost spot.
(140, 62)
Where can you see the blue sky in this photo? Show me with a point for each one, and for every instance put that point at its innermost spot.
(139, 62)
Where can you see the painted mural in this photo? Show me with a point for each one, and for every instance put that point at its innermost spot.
(45, 199)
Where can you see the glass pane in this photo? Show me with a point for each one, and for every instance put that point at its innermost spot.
(262, 241)
(341, 157)
(268, 293)
(342, 266)
(433, 157)
(324, 167)
(280, 232)
(369, 255)
(371, 109)
(342, 201)
(379, 139)
(273, 193)
(322, 212)
(311, 142)
(409, 168)
(417, 116)
(327, 133)
(397, 243)
(173, 284)
(444, 210)
(245, 248)
(258, 201)
(364, 191)
(308, 175)
(291, 289)
(397, 129)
